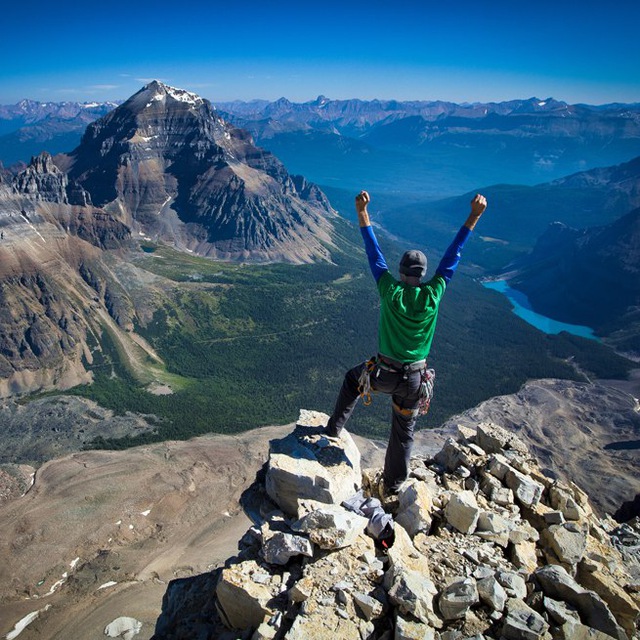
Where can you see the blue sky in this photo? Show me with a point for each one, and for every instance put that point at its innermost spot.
(461, 51)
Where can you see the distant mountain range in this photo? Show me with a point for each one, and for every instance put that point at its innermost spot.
(518, 215)
(431, 148)
(30, 127)
(439, 148)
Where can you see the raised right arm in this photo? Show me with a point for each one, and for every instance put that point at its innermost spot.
(377, 263)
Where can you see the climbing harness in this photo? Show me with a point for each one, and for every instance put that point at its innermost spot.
(427, 379)
(364, 381)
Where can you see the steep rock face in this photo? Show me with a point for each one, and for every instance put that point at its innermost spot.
(177, 172)
(42, 335)
(42, 180)
(48, 315)
(589, 276)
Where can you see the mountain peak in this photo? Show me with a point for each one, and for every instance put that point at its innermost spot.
(157, 90)
(182, 175)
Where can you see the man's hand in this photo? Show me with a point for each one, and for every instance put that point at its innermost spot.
(362, 200)
(478, 205)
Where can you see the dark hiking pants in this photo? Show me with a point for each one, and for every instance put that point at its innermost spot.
(404, 389)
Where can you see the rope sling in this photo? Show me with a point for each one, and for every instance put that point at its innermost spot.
(427, 381)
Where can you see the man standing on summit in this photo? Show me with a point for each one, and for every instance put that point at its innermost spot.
(408, 313)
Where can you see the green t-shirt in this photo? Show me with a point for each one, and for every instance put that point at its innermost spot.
(408, 317)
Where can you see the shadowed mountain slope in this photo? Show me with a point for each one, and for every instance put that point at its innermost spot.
(174, 171)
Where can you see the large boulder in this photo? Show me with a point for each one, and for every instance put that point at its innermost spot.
(331, 526)
(307, 465)
(462, 511)
(415, 503)
(556, 583)
(244, 594)
(523, 623)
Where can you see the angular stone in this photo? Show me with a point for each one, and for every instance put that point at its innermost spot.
(494, 439)
(624, 607)
(308, 465)
(527, 491)
(453, 455)
(575, 630)
(489, 484)
(562, 499)
(567, 541)
(331, 527)
(498, 466)
(407, 580)
(462, 512)
(554, 517)
(412, 594)
(523, 532)
(492, 523)
(301, 590)
(415, 505)
(405, 556)
(503, 497)
(281, 547)
(559, 585)
(513, 583)
(523, 623)
(492, 593)
(368, 606)
(466, 434)
(523, 556)
(457, 598)
(560, 612)
(412, 630)
(242, 601)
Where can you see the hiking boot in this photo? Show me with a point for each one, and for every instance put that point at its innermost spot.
(388, 497)
(330, 433)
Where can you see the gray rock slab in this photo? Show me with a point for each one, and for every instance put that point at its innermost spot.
(415, 503)
(568, 541)
(493, 439)
(462, 511)
(281, 547)
(306, 465)
(556, 583)
(523, 623)
(331, 526)
(457, 598)
(492, 593)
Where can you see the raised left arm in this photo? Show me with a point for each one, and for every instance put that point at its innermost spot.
(451, 257)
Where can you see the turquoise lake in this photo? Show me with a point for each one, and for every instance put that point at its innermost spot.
(522, 309)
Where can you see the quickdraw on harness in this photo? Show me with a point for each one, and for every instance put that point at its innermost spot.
(364, 381)
(426, 390)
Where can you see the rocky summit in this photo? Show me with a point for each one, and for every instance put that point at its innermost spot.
(175, 171)
(484, 545)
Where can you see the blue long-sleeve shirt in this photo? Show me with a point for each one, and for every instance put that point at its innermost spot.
(408, 314)
(446, 268)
